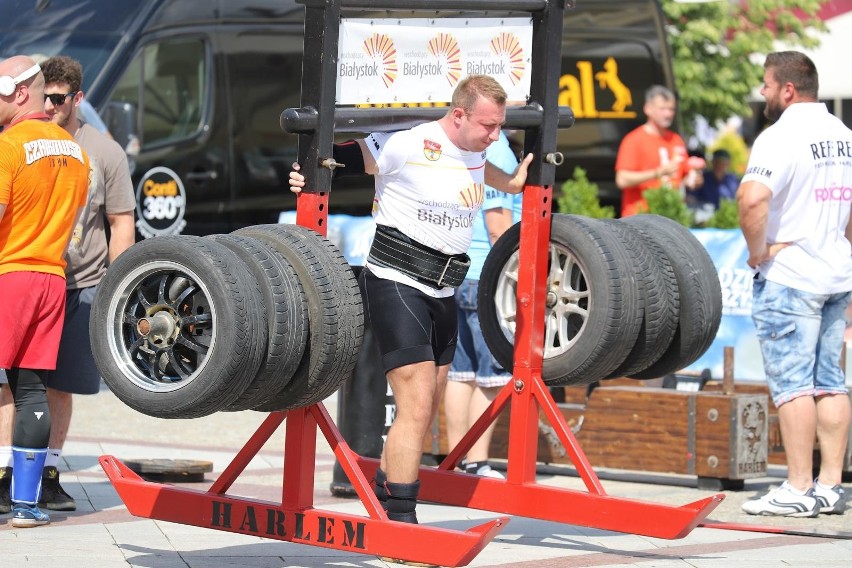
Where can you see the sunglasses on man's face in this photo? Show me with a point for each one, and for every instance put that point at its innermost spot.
(58, 99)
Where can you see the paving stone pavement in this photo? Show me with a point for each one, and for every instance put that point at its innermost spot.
(103, 534)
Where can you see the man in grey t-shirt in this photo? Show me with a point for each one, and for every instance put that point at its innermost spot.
(110, 197)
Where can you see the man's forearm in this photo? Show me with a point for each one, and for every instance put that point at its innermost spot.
(628, 178)
(508, 183)
(497, 221)
(122, 233)
(753, 206)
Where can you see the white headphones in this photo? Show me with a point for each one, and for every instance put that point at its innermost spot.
(9, 84)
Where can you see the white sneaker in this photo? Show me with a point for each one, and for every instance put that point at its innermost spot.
(486, 471)
(786, 501)
(481, 469)
(832, 500)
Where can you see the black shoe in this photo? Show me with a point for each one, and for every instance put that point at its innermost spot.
(5, 487)
(53, 497)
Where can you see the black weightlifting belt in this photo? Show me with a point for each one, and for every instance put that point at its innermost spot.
(392, 249)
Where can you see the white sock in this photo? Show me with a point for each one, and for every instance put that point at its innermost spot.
(5, 456)
(52, 457)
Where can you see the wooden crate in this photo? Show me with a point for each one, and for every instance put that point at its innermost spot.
(776, 444)
(707, 434)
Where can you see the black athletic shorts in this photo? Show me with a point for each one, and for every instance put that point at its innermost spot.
(409, 326)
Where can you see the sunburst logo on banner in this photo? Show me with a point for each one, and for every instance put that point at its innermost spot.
(445, 45)
(380, 46)
(473, 194)
(507, 44)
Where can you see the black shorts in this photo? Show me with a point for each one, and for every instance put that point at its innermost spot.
(76, 372)
(409, 326)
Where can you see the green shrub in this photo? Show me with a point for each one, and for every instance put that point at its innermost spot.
(668, 203)
(726, 216)
(580, 197)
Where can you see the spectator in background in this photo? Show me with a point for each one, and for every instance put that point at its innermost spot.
(111, 199)
(719, 182)
(475, 377)
(652, 155)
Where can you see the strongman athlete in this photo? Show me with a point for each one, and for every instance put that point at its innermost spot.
(429, 188)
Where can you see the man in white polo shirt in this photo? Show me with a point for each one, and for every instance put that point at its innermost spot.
(794, 204)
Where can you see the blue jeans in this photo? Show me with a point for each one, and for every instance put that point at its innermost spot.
(801, 337)
(473, 360)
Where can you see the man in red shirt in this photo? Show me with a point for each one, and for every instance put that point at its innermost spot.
(651, 155)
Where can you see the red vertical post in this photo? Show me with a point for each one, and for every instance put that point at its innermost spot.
(299, 459)
(312, 211)
(529, 331)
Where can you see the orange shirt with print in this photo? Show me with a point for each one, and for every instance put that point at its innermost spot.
(44, 177)
(639, 151)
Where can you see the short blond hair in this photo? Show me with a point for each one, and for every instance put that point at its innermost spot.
(472, 87)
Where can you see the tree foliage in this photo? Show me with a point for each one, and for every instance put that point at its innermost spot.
(718, 49)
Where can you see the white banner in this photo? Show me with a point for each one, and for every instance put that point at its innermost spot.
(420, 60)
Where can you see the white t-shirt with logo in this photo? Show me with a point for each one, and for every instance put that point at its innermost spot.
(428, 189)
(806, 160)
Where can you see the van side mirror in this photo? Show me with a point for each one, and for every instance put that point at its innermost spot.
(121, 119)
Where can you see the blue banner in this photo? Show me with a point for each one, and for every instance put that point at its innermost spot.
(727, 248)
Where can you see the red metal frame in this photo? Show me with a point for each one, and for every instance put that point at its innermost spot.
(519, 494)
(296, 520)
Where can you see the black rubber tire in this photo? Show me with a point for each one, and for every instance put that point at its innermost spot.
(200, 294)
(282, 307)
(592, 316)
(335, 313)
(659, 298)
(699, 289)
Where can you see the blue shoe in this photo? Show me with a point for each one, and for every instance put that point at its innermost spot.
(26, 516)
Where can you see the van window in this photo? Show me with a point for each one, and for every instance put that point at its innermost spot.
(166, 81)
(87, 30)
(257, 104)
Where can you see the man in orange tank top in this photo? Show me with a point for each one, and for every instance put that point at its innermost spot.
(43, 183)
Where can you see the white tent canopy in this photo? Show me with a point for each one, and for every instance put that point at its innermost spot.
(832, 58)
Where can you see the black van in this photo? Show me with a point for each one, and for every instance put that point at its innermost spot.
(195, 89)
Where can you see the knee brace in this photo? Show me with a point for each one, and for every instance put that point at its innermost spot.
(32, 418)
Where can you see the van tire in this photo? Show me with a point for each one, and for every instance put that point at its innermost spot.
(659, 298)
(282, 306)
(335, 314)
(203, 296)
(603, 286)
(700, 293)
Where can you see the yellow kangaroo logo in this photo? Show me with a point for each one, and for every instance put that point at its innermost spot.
(580, 91)
(608, 79)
